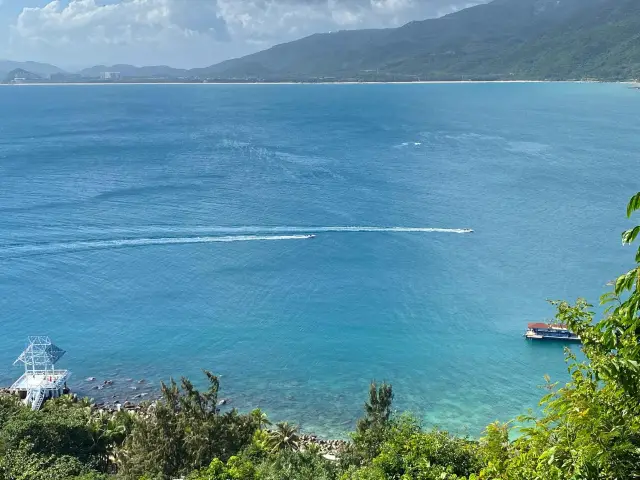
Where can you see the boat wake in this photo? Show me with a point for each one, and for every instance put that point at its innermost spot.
(62, 247)
(389, 229)
(191, 235)
(266, 230)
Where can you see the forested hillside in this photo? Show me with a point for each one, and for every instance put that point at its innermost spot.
(528, 39)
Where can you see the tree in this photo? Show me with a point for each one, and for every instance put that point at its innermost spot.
(237, 468)
(54, 443)
(292, 465)
(109, 431)
(64, 433)
(183, 432)
(284, 437)
(372, 429)
(260, 418)
(612, 345)
(590, 428)
(378, 408)
(22, 464)
(408, 452)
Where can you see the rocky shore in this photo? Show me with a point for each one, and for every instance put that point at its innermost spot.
(328, 448)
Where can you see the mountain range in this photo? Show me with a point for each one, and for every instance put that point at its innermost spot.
(532, 39)
(40, 69)
(523, 39)
(132, 71)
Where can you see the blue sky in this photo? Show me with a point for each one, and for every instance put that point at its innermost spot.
(185, 33)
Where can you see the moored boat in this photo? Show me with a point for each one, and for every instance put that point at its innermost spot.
(547, 331)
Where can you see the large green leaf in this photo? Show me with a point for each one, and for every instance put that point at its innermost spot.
(625, 282)
(630, 235)
(634, 204)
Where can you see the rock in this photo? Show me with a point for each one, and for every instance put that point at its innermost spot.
(108, 382)
(91, 379)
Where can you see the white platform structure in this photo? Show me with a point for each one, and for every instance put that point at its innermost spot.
(40, 380)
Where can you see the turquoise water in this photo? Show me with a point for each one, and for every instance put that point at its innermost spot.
(156, 230)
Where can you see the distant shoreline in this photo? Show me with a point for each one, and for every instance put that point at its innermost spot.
(425, 82)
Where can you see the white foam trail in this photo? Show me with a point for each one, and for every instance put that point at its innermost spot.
(257, 230)
(389, 229)
(61, 247)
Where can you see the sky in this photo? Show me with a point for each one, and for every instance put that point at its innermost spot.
(74, 34)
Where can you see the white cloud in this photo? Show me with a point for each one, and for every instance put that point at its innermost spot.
(390, 5)
(195, 32)
(125, 22)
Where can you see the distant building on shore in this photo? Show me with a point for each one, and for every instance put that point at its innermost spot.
(110, 76)
(20, 75)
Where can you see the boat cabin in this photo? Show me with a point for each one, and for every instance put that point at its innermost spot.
(542, 331)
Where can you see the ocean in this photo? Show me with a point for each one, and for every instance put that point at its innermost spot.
(303, 240)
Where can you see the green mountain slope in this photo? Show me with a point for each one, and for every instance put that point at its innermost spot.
(19, 73)
(318, 54)
(41, 69)
(606, 46)
(539, 39)
(134, 72)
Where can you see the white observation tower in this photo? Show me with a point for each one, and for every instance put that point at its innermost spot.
(40, 379)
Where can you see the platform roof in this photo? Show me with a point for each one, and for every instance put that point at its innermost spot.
(40, 352)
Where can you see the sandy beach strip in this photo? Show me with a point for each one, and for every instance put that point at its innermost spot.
(425, 82)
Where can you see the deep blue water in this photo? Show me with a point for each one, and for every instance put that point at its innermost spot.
(102, 188)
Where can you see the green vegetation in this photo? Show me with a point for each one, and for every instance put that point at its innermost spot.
(504, 39)
(587, 429)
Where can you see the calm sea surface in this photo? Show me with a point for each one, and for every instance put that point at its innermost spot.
(153, 231)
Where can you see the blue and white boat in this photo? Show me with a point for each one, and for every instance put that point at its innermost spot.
(546, 331)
